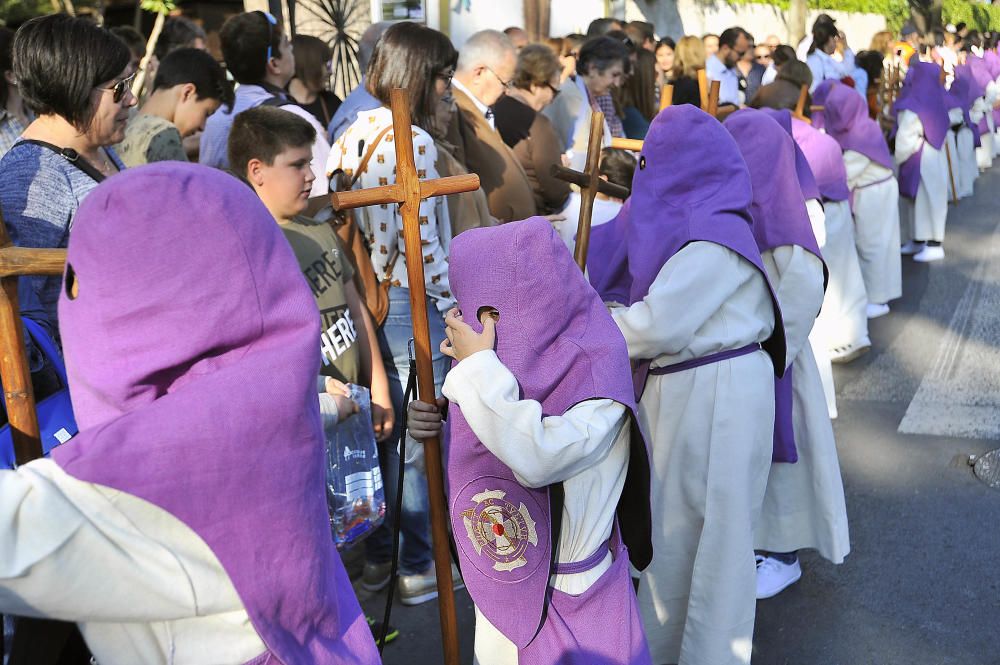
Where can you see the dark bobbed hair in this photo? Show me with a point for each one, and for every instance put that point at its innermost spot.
(730, 36)
(618, 166)
(411, 56)
(536, 64)
(796, 72)
(666, 41)
(783, 55)
(192, 65)
(6, 60)
(264, 132)
(59, 60)
(244, 39)
(602, 53)
(311, 56)
(602, 26)
(178, 32)
(822, 32)
(133, 39)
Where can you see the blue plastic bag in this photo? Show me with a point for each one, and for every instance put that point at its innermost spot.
(354, 491)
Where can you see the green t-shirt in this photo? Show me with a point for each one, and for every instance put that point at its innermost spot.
(327, 270)
(148, 139)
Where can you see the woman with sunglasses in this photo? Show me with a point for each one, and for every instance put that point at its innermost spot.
(76, 78)
(529, 133)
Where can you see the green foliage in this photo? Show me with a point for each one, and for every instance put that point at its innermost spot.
(896, 12)
(158, 6)
(15, 12)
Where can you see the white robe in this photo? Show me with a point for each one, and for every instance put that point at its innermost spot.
(817, 219)
(992, 90)
(586, 448)
(142, 585)
(842, 322)
(876, 226)
(804, 504)
(963, 155)
(924, 217)
(984, 153)
(710, 429)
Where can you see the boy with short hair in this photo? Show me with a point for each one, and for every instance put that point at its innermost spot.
(272, 150)
(189, 87)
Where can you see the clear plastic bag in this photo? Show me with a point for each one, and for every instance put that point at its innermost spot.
(354, 491)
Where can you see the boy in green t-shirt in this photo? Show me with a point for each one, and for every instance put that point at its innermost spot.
(271, 149)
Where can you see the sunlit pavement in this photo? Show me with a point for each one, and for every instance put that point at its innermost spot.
(922, 583)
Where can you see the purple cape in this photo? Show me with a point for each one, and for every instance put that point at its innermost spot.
(691, 185)
(807, 180)
(779, 218)
(965, 90)
(923, 94)
(192, 359)
(559, 341)
(847, 121)
(825, 159)
(607, 264)
(992, 62)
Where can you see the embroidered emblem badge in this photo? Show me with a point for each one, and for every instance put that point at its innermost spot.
(500, 529)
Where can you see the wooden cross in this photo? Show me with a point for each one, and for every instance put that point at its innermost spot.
(408, 191)
(713, 99)
(703, 88)
(947, 151)
(14, 373)
(590, 183)
(666, 96)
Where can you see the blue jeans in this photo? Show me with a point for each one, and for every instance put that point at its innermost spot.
(394, 337)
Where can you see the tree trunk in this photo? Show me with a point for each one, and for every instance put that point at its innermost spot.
(796, 21)
(536, 18)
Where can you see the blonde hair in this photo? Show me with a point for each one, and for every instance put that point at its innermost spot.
(882, 42)
(689, 57)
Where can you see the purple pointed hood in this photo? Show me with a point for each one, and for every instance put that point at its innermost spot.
(923, 94)
(709, 200)
(807, 181)
(964, 91)
(847, 121)
(778, 207)
(980, 71)
(557, 338)
(819, 96)
(975, 89)
(825, 159)
(192, 359)
(992, 62)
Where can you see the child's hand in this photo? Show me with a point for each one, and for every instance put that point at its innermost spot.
(424, 420)
(462, 340)
(346, 407)
(383, 419)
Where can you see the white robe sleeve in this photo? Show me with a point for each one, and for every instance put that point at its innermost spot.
(955, 116)
(909, 135)
(978, 109)
(539, 450)
(685, 294)
(68, 551)
(797, 277)
(817, 219)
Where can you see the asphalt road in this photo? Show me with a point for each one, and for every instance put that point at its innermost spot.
(922, 583)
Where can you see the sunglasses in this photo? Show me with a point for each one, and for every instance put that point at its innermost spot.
(120, 89)
(273, 22)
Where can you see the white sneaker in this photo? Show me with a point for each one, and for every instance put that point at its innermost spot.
(845, 354)
(928, 254)
(773, 577)
(874, 311)
(911, 248)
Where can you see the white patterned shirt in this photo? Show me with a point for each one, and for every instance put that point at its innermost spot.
(382, 225)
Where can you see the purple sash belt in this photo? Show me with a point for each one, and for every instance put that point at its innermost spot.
(707, 360)
(591, 562)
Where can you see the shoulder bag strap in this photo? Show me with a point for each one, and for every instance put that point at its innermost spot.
(73, 157)
(363, 164)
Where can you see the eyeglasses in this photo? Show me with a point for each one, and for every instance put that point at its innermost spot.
(507, 85)
(555, 90)
(273, 22)
(120, 89)
(446, 76)
(763, 57)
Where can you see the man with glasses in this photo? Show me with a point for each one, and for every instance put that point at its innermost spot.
(486, 66)
(260, 58)
(733, 45)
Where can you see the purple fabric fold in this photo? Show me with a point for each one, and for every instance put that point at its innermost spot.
(825, 158)
(192, 360)
(557, 338)
(807, 180)
(847, 121)
(909, 175)
(923, 94)
(607, 261)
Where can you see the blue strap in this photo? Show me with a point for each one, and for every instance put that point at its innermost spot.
(44, 342)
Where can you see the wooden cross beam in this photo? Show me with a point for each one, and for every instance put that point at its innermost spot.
(590, 183)
(408, 191)
(635, 145)
(14, 372)
(666, 96)
(713, 99)
(703, 88)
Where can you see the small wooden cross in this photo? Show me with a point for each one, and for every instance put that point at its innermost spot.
(713, 99)
(590, 183)
(408, 191)
(666, 96)
(14, 372)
